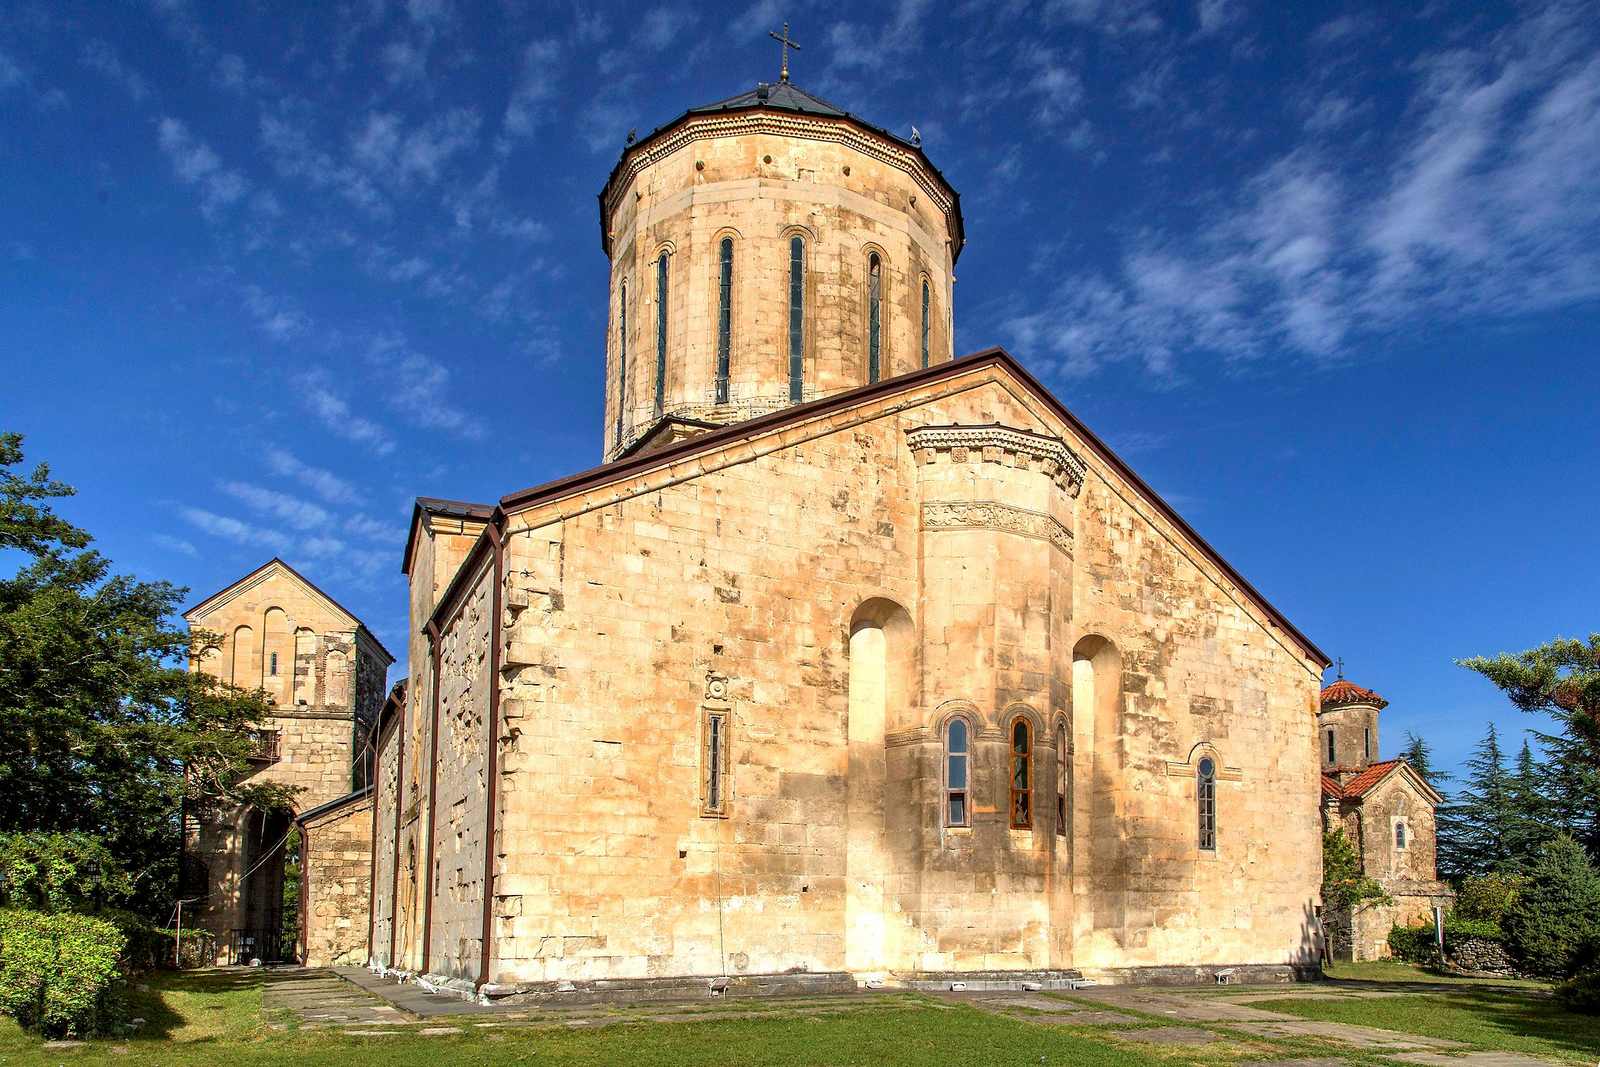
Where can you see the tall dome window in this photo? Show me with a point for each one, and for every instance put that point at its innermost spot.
(661, 333)
(797, 318)
(724, 316)
(926, 295)
(874, 315)
(622, 355)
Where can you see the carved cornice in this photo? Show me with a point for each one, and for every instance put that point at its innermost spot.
(993, 515)
(965, 443)
(818, 128)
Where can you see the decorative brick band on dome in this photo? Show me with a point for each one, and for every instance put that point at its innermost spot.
(1343, 692)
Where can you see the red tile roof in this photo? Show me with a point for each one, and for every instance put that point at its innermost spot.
(1331, 787)
(1343, 692)
(1367, 779)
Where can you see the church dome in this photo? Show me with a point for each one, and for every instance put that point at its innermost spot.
(766, 250)
(1342, 692)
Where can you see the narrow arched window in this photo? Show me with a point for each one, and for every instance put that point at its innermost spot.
(622, 356)
(1021, 775)
(1206, 798)
(273, 669)
(1400, 835)
(1366, 741)
(661, 333)
(874, 315)
(797, 318)
(724, 317)
(1331, 756)
(1063, 778)
(956, 754)
(926, 297)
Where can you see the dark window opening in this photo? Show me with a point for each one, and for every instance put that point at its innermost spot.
(1063, 779)
(661, 333)
(716, 763)
(622, 357)
(925, 297)
(797, 318)
(955, 772)
(874, 315)
(1206, 794)
(724, 319)
(1021, 775)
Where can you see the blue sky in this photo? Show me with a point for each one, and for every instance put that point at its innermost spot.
(1329, 277)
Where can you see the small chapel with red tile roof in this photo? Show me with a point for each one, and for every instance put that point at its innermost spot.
(1386, 810)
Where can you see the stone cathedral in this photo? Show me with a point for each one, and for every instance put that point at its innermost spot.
(853, 662)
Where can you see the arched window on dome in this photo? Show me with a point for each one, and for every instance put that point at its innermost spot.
(622, 355)
(957, 758)
(661, 333)
(1206, 799)
(797, 318)
(1021, 774)
(724, 316)
(1332, 752)
(874, 315)
(926, 300)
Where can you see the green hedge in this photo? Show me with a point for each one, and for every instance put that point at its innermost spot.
(1581, 992)
(60, 974)
(1414, 944)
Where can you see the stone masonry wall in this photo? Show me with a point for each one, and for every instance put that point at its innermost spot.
(625, 606)
(336, 851)
(383, 846)
(460, 812)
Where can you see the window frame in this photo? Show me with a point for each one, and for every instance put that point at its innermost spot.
(947, 756)
(1063, 779)
(1333, 756)
(1205, 779)
(1022, 760)
(874, 317)
(663, 294)
(622, 355)
(927, 304)
(1402, 836)
(272, 665)
(715, 783)
(725, 251)
(797, 317)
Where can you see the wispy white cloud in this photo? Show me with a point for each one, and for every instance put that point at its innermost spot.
(235, 530)
(175, 544)
(275, 316)
(195, 163)
(388, 152)
(101, 58)
(661, 26)
(300, 514)
(334, 412)
(1107, 16)
(1215, 15)
(288, 143)
(532, 98)
(324, 483)
(420, 390)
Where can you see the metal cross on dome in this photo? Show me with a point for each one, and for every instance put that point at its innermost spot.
(783, 75)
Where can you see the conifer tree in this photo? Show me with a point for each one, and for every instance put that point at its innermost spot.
(1419, 754)
(1529, 825)
(1476, 829)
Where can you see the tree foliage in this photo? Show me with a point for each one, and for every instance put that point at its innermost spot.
(1343, 884)
(1419, 754)
(1556, 914)
(1560, 678)
(1474, 828)
(53, 872)
(103, 730)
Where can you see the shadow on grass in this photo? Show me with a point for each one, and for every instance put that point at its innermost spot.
(187, 1003)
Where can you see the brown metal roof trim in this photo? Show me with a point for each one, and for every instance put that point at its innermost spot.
(435, 505)
(315, 588)
(999, 357)
(333, 805)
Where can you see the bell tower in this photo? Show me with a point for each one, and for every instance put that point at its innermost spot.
(766, 250)
(1347, 728)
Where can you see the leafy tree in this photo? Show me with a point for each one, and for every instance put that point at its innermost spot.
(1343, 884)
(1560, 678)
(1556, 915)
(60, 872)
(1419, 754)
(1487, 897)
(102, 729)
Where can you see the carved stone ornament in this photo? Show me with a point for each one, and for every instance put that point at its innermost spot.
(1019, 447)
(992, 515)
(716, 687)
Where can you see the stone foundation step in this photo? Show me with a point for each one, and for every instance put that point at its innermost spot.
(989, 981)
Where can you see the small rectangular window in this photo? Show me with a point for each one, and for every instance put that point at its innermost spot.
(1367, 741)
(714, 760)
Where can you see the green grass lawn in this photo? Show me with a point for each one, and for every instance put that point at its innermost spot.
(1484, 1018)
(215, 1019)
